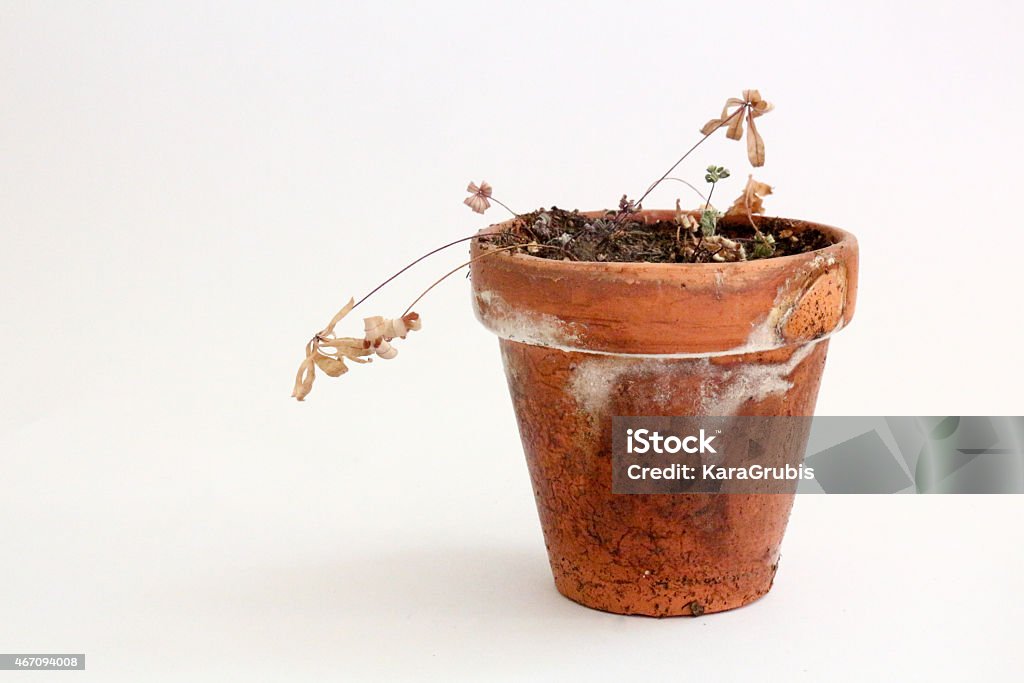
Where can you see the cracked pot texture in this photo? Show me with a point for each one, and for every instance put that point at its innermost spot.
(583, 342)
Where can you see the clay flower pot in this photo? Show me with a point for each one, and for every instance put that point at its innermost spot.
(583, 342)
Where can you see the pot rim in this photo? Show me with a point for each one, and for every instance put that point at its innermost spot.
(840, 237)
(667, 309)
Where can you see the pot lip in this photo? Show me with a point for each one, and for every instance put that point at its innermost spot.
(842, 239)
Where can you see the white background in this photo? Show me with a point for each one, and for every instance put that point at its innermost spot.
(188, 192)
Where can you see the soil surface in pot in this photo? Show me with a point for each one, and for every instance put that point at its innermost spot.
(616, 237)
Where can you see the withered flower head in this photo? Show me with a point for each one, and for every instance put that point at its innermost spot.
(478, 196)
(750, 107)
(329, 353)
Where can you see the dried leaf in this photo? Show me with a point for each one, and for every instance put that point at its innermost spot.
(735, 130)
(755, 144)
(329, 330)
(724, 249)
(685, 220)
(711, 126)
(751, 200)
(306, 374)
(346, 347)
(714, 124)
(333, 367)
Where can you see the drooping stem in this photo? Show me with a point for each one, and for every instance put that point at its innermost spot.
(504, 206)
(431, 253)
(407, 267)
(689, 185)
(688, 153)
(470, 261)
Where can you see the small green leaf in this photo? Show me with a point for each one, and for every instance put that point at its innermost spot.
(764, 246)
(716, 173)
(708, 222)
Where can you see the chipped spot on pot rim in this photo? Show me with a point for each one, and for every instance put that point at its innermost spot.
(819, 308)
(802, 311)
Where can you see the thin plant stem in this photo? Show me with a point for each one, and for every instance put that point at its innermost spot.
(504, 206)
(657, 182)
(431, 253)
(750, 217)
(461, 266)
(689, 185)
(407, 267)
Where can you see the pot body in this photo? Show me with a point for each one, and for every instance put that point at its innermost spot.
(583, 342)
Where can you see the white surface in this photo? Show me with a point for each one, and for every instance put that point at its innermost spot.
(187, 192)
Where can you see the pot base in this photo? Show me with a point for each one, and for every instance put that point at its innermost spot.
(653, 597)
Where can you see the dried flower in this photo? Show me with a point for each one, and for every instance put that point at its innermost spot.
(384, 349)
(327, 352)
(478, 196)
(755, 107)
(378, 327)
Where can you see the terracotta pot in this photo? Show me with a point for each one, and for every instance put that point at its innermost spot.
(583, 342)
